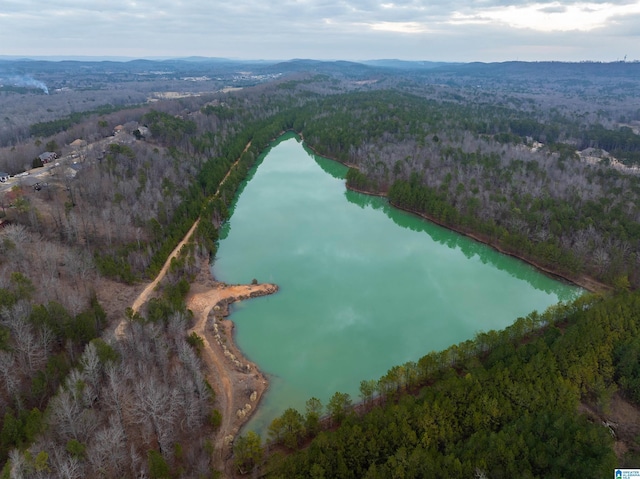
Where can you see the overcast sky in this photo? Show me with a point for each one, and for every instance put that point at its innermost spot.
(438, 30)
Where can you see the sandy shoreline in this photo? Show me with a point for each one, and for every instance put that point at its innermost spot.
(238, 382)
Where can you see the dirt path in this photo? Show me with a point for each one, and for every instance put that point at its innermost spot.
(143, 297)
(146, 292)
(239, 384)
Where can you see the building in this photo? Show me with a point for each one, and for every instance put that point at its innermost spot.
(47, 157)
(3, 176)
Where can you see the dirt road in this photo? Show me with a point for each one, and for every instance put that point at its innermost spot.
(238, 383)
(146, 293)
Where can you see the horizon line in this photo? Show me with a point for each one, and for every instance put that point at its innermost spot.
(124, 59)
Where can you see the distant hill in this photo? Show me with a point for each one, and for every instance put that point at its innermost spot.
(339, 67)
(407, 65)
(508, 76)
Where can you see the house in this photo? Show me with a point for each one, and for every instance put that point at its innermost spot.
(143, 131)
(47, 157)
(3, 176)
(79, 143)
(72, 170)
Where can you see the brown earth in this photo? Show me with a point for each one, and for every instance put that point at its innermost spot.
(143, 297)
(238, 383)
(148, 290)
(623, 421)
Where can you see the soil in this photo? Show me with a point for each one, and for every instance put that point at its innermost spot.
(238, 382)
(622, 420)
(143, 297)
(115, 298)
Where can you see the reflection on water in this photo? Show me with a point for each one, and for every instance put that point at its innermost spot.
(335, 169)
(363, 286)
(469, 247)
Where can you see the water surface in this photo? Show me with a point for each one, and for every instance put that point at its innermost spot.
(363, 286)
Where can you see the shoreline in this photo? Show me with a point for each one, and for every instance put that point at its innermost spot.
(238, 382)
(585, 282)
(234, 374)
(226, 368)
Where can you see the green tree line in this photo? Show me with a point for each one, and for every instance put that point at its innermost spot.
(449, 161)
(504, 404)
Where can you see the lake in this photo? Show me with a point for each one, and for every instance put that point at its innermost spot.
(363, 286)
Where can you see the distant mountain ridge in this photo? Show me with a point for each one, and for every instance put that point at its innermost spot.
(55, 71)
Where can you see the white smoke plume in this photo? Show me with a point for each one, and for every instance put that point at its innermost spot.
(23, 80)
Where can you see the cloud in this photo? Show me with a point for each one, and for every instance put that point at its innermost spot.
(553, 9)
(551, 17)
(398, 27)
(459, 30)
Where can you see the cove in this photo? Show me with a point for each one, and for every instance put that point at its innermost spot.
(363, 286)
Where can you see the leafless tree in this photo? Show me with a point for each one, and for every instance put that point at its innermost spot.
(154, 410)
(65, 414)
(108, 450)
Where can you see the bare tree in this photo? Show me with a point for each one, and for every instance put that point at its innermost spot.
(108, 450)
(65, 415)
(155, 406)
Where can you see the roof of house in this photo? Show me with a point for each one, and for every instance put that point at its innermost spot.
(47, 155)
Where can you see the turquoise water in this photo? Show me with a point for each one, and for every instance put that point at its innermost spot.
(363, 286)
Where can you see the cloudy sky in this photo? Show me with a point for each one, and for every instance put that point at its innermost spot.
(438, 30)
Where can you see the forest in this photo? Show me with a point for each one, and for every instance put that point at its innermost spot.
(513, 179)
(505, 404)
(549, 175)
